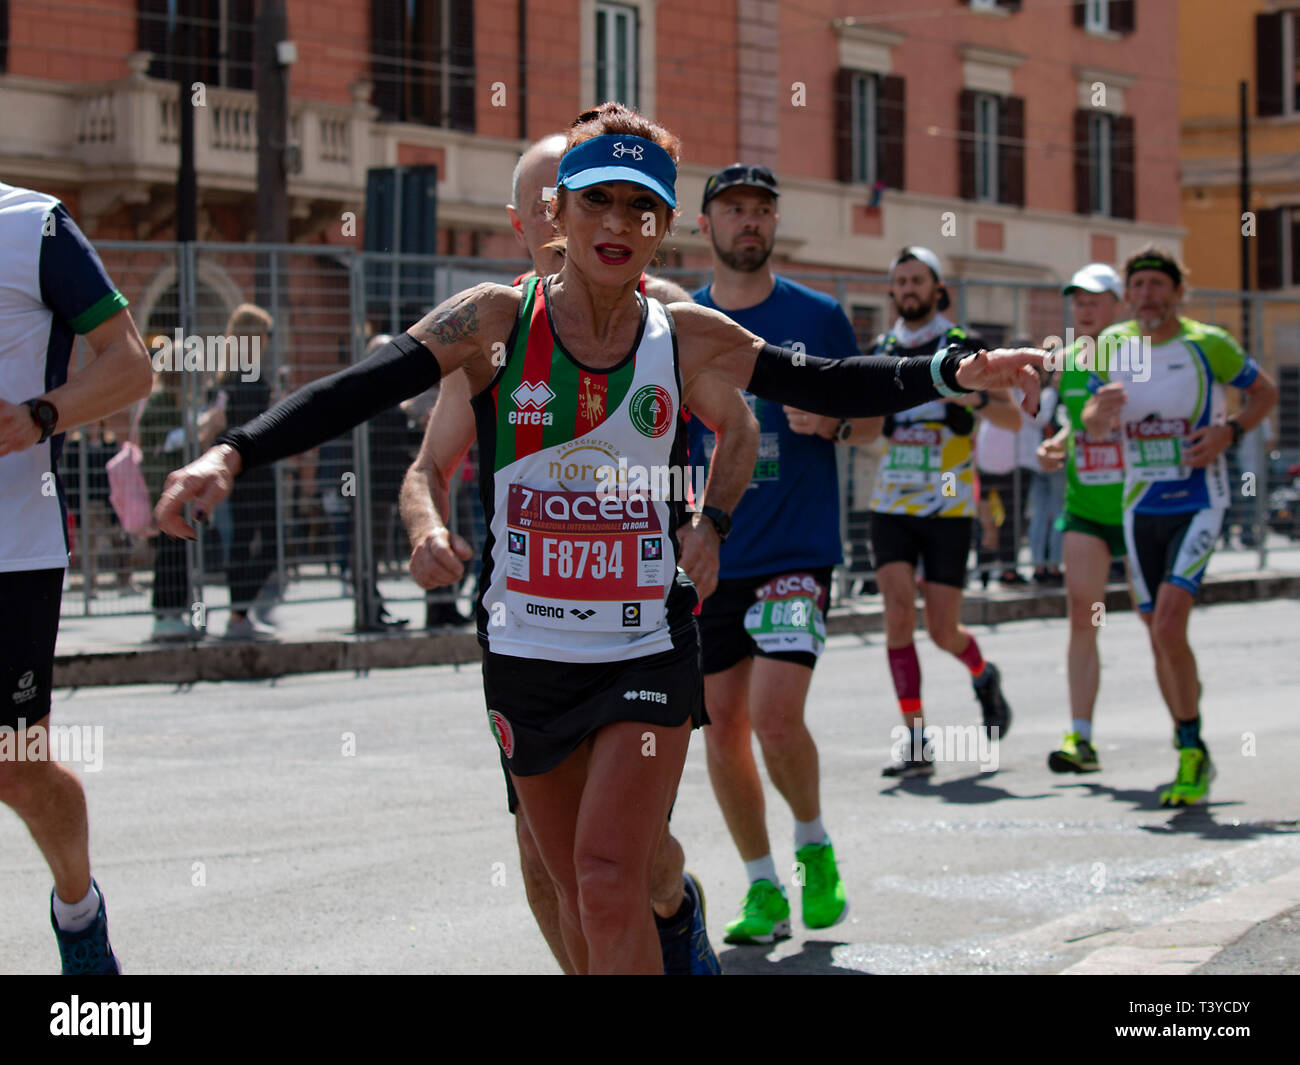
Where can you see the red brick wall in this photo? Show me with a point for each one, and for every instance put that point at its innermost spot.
(333, 39)
(696, 78)
(83, 41)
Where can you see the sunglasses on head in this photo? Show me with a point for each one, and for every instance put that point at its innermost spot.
(750, 174)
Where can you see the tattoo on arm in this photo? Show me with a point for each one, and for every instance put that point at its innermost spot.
(455, 323)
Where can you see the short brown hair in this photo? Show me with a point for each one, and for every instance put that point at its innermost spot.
(248, 319)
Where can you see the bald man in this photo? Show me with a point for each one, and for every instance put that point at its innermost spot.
(676, 896)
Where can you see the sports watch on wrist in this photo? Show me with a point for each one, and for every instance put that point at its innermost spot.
(721, 521)
(45, 414)
(843, 431)
(1237, 431)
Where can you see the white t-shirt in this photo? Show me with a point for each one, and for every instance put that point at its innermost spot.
(52, 287)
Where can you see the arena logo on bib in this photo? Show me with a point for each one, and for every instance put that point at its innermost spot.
(651, 410)
(503, 732)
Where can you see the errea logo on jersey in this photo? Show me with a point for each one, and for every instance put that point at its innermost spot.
(530, 399)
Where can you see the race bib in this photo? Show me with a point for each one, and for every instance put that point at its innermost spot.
(787, 615)
(579, 560)
(914, 457)
(1098, 461)
(1153, 449)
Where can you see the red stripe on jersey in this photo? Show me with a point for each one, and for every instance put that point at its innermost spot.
(537, 370)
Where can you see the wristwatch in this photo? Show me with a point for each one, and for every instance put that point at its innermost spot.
(843, 431)
(1237, 431)
(45, 414)
(721, 521)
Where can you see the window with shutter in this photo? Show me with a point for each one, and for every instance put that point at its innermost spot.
(843, 104)
(1123, 166)
(987, 148)
(864, 127)
(217, 37)
(1082, 162)
(422, 61)
(966, 144)
(1277, 63)
(1011, 151)
(891, 131)
(617, 47)
(1099, 164)
(1268, 249)
(4, 35)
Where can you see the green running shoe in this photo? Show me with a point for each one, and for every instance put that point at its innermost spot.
(1195, 771)
(1075, 756)
(764, 916)
(824, 902)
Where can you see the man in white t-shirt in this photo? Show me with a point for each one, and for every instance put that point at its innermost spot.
(52, 289)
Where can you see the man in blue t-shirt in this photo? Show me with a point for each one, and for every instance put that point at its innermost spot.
(53, 288)
(764, 626)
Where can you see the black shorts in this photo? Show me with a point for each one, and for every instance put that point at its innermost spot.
(727, 638)
(1170, 549)
(29, 626)
(942, 544)
(541, 711)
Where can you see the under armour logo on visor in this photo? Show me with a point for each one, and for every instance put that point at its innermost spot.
(620, 151)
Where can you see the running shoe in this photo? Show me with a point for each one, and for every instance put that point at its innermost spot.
(1075, 756)
(764, 916)
(824, 901)
(988, 690)
(1192, 784)
(86, 953)
(910, 767)
(686, 947)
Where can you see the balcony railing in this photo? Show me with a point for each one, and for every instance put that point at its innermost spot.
(133, 127)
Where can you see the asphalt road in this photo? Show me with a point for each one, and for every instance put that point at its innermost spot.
(233, 832)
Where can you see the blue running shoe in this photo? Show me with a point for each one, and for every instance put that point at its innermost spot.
(685, 945)
(87, 953)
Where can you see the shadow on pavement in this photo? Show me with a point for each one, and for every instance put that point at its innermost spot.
(813, 960)
(1199, 820)
(964, 791)
(1196, 820)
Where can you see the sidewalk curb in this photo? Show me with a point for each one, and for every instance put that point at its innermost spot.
(1181, 943)
(217, 660)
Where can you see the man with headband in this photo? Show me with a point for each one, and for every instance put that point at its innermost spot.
(1159, 381)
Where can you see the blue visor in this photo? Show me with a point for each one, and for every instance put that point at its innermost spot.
(615, 157)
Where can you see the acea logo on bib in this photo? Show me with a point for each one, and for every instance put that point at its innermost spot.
(651, 410)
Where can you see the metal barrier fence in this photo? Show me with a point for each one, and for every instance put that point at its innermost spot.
(324, 525)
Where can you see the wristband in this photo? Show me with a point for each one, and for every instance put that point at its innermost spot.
(937, 376)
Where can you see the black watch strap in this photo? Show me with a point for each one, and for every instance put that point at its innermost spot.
(45, 414)
(1237, 431)
(721, 521)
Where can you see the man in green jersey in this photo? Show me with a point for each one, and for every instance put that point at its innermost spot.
(1160, 382)
(1091, 518)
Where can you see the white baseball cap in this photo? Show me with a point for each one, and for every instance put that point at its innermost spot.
(1096, 277)
(924, 255)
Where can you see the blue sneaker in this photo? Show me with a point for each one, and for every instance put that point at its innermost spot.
(87, 953)
(685, 946)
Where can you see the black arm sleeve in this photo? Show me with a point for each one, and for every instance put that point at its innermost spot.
(331, 406)
(863, 386)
